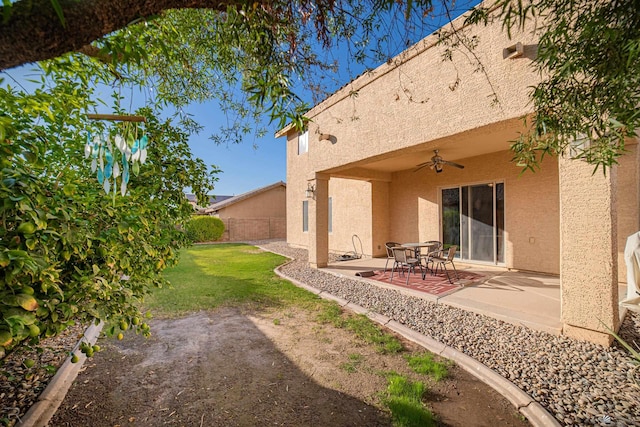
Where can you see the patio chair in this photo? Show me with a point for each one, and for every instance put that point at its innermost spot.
(389, 246)
(402, 260)
(433, 248)
(440, 261)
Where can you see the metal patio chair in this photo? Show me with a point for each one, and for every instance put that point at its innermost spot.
(389, 247)
(434, 248)
(441, 261)
(402, 260)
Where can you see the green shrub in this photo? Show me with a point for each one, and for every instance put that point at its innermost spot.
(204, 228)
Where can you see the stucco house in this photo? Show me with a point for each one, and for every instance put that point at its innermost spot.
(254, 215)
(353, 171)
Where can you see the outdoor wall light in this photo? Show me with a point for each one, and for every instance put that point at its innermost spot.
(310, 191)
(513, 51)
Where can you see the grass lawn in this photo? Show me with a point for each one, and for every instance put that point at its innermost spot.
(210, 276)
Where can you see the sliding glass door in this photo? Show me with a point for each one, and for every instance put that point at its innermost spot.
(473, 219)
(451, 217)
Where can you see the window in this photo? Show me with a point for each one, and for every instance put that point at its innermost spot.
(330, 214)
(305, 215)
(303, 142)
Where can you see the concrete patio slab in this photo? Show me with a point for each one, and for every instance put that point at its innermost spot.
(522, 298)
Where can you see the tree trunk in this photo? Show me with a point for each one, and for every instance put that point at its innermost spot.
(34, 32)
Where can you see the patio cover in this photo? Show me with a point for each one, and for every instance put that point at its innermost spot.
(632, 260)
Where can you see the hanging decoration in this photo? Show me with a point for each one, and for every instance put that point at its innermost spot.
(116, 154)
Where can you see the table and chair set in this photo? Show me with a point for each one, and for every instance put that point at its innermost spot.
(429, 257)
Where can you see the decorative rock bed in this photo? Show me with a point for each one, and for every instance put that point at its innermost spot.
(20, 386)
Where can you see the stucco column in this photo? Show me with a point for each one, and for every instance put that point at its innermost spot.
(588, 251)
(380, 217)
(319, 222)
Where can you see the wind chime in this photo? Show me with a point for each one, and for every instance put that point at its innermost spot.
(118, 153)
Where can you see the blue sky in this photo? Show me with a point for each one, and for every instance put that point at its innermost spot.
(260, 162)
(244, 166)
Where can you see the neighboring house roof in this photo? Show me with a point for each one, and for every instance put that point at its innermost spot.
(235, 199)
(217, 199)
(212, 199)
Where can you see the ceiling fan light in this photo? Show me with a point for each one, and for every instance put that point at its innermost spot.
(438, 168)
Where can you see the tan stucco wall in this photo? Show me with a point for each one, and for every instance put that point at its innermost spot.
(259, 216)
(380, 217)
(243, 229)
(411, 106)
(351, 201)
(531, 207)
(407, 104)
(532, 217)
(298, 169)
(588, 235)
(351, 215)
(407, 209)
(562, 219)
(268, 204)
(318, 236)
(400, 107)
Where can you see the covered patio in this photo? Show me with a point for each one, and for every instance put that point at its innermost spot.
(518, 297)
(437, 165)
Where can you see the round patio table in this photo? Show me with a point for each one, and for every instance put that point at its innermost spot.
(417, 245)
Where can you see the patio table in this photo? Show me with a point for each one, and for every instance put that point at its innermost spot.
(416, 247)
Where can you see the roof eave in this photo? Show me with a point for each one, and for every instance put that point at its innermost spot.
(284, 131)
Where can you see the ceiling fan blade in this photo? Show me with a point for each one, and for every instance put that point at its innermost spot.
(456, 165)
(422, 165)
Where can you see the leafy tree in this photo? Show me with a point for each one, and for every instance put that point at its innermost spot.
(66, 247)
(254, 57)
(589, 57)
(68, 251)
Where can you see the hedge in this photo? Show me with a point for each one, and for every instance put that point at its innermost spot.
(204, 229)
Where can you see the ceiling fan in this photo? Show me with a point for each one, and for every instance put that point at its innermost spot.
(436, 163)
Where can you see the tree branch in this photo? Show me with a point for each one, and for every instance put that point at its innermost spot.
(34, 31)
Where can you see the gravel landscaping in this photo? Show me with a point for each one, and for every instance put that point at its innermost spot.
(579, 383)
(20, 386)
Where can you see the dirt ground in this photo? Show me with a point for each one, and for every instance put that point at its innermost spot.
(229, 368)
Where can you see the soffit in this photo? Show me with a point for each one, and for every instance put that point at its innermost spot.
(485, 140)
